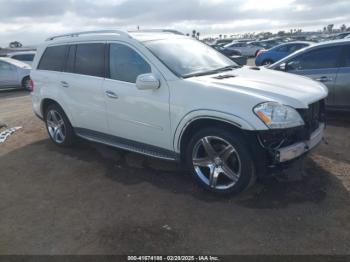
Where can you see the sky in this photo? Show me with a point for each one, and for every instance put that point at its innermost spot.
(31, 21)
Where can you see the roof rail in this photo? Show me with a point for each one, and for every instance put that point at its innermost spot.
(76, 34)
(172, 31)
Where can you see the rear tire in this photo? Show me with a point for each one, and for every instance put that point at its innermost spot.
(58, 126)
(26, 83)
(220, 161)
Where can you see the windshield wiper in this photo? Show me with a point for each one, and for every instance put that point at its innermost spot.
(211, 72)
(228, 68)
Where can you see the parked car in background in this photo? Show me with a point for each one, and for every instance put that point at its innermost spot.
(14, 74)
(234, 55)
(341, 36)
(172, 97)
(25, 57)
(246, 49)
(266, 44)
(268, 57)
(327, 62)
(222, 42)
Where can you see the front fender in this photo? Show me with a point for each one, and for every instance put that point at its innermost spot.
(207, 114)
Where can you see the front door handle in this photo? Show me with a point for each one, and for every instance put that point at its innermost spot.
(111, 94)
(324, 79)
(64, 84)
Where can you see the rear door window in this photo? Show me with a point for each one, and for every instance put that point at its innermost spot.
(89, 59)
(125, 64)
(53, 58)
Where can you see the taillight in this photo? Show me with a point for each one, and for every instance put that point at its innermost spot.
(259, 53)
(31, 85)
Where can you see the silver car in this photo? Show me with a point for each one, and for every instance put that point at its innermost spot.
(23, 56)
(14, 74)
(327, 62)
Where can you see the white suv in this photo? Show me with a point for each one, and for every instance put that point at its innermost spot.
(172, 97)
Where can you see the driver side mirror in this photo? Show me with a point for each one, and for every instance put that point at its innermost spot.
(147, 82)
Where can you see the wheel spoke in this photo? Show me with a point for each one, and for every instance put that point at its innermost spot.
(50, 123)
(208, 147)
(54, 117)
(226, 152)
(213, 177)
(227, 171)
(60, 123)
(205, 162)
(56, 134)
(60, 134)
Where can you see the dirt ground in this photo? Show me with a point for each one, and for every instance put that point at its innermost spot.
(93, 199)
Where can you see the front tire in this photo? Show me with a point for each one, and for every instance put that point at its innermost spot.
(220, 161)
(58, 126)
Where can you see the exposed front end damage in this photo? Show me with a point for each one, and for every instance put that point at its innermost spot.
(278, 147)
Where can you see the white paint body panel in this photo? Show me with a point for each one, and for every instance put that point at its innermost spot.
(158, 117)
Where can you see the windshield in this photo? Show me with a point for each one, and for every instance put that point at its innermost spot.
(188, 57)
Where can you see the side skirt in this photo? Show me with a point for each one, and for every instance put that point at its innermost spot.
(127, 144)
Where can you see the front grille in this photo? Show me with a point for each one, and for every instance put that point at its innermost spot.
(313, 116)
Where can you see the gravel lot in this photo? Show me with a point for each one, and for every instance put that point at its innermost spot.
(93, 199)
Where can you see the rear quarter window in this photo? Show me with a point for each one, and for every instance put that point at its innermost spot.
(53, 58)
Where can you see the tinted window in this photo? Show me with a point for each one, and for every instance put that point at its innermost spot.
(284, 48)
(89, 59)
(326, 57)
(126, 64)
(296, 47)
(53, 58)
(70, 59)
(346, 57)
(27, 57)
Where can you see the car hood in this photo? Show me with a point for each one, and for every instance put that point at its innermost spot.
(268, 85)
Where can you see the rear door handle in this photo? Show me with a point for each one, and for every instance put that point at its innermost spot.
(64, 84)
(324, 79)
(111, 94)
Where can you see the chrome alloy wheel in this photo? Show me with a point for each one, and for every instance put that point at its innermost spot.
(216, 162)
(56, 126)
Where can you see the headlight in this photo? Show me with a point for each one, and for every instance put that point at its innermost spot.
(276, 116)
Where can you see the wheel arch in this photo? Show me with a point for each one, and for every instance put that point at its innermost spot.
(23, 78)
(203, 118)
(45, 103)
(48, 101)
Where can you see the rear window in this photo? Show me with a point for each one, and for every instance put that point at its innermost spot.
(27, 57)
(89, 59)
(53, 58)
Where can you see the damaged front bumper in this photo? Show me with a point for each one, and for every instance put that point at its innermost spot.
(295, 150)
